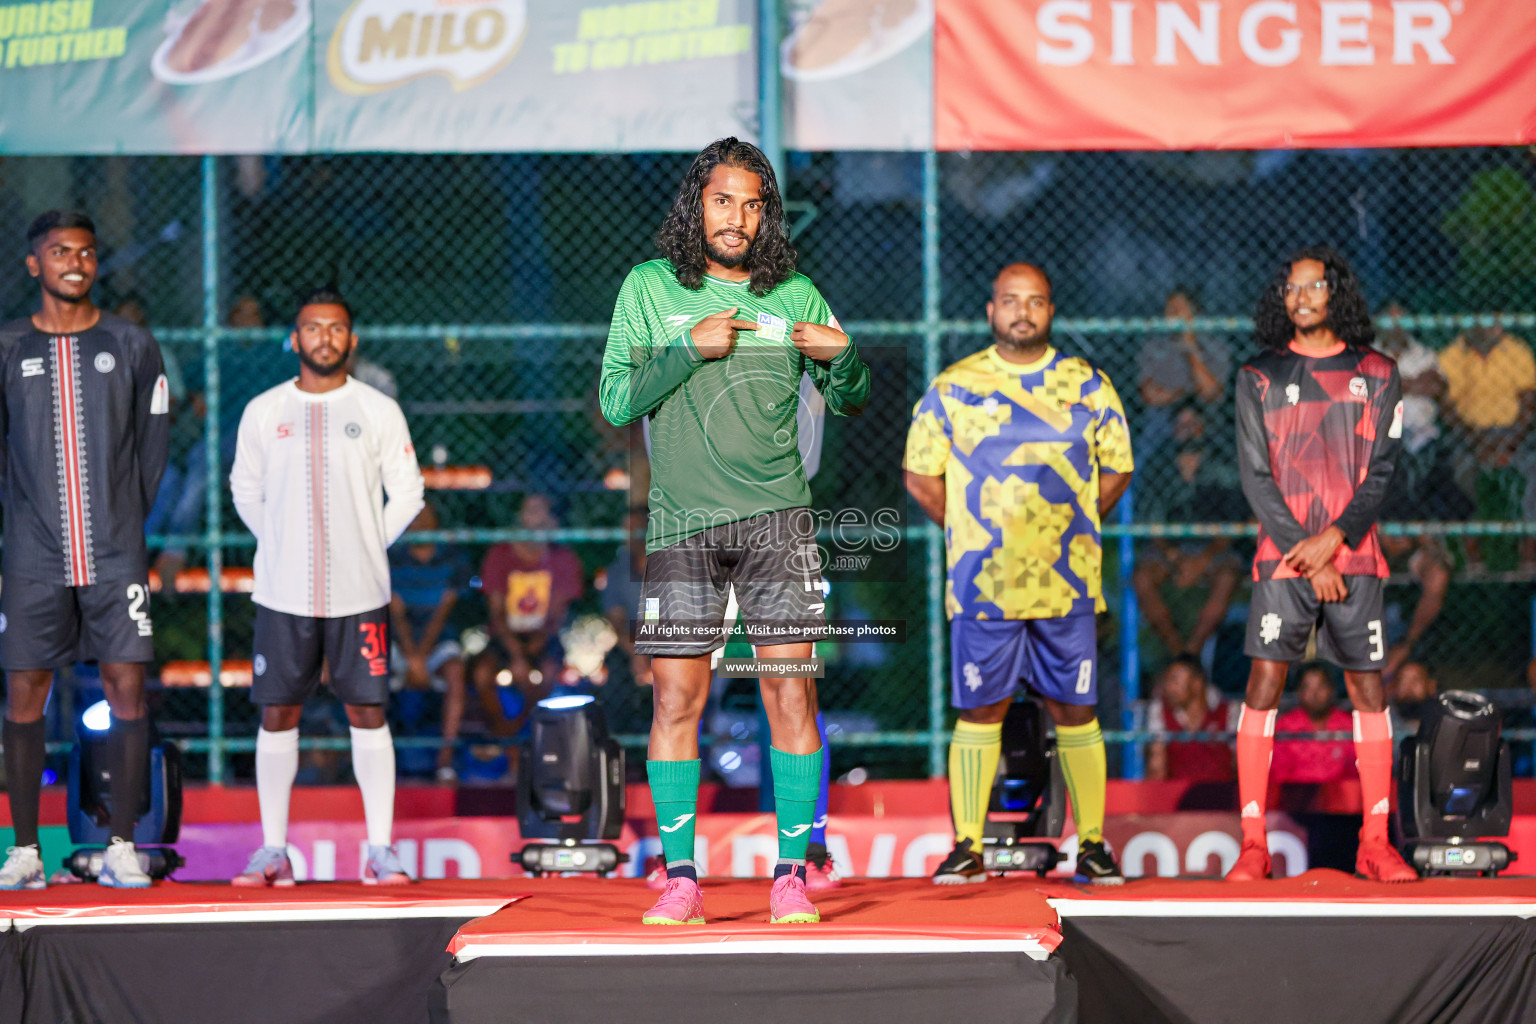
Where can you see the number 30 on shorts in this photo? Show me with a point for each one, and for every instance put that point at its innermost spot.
(1378, 649)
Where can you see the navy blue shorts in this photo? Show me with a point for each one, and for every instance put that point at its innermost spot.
(993, 659)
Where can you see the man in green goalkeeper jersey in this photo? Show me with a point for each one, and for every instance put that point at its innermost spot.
(710, 342)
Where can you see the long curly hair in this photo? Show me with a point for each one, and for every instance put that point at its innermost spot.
(1349, 318)
(681, 238)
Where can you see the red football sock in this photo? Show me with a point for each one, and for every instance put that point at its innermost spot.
(1373, 756)
(1255, 747)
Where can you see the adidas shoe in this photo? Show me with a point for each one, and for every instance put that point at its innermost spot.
(960, 867)
(384, 867)
(23, 869)
(1380, 862)
(120, 867)
(821, 873)
(1096, 865)
(269, 865)
(1252, 864)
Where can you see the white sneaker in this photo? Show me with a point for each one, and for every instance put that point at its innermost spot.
(23, 869)
(120, 867)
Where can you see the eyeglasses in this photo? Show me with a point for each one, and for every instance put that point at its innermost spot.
(1310, 288)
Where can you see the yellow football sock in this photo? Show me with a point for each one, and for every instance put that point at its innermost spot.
(1081, 749)
(973, 754)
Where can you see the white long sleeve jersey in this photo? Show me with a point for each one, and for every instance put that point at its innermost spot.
(310, 478)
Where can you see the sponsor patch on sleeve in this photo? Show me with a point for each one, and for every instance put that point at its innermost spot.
(160, 401)
(1396, 430)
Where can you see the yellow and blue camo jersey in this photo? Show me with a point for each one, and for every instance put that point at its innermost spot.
(1020, 447)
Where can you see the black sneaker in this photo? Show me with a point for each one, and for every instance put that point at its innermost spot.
(1096, 866)
(960, 867)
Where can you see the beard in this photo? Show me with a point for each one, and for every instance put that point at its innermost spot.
(323, 369)
(731, 260)
(1005, 338)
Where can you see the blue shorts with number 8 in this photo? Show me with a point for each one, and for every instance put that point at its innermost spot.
(993, 659)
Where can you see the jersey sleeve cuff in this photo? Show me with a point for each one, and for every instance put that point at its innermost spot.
(689, 349)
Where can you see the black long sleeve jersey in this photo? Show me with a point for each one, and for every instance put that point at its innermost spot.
(1317, 440)
(84, 417)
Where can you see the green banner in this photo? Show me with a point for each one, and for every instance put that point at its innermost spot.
(130, 76)
(539, 75)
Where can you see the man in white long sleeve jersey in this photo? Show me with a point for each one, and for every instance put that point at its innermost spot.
(316, 458)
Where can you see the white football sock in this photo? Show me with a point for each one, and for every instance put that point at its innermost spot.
(373, 763)
(277, 762)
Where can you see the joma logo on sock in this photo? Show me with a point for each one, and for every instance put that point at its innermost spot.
(682, 819)
(790, 833)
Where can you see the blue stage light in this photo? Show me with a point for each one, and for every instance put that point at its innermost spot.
(566, 703)
(97, 717)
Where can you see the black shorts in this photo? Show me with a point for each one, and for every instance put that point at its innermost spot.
(1349, 632)
(49, 625)
(292, 649)
(770, 559)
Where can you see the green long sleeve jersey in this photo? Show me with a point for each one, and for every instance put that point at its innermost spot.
(724, 436)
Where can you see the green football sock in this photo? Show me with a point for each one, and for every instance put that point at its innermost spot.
(675, 792)
(796, 783)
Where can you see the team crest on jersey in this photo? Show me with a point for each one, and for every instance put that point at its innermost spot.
(1292, 394)
(353, 431)
(989, 406)
(770, 327)
(105, 363)
(1357, 386)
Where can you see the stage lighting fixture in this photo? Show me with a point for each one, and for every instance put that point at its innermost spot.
(1454, 789)
(89, 811)
(570, 789)
(1028, 801)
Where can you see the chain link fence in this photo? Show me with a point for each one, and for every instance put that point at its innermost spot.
(484, 284)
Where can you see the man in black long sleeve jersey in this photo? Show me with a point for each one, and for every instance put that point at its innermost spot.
(83, 404)
(1319, 426)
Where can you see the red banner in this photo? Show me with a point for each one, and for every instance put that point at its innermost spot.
(1233, 74)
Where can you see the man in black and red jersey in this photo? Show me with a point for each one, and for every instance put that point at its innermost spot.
(83, 414)
(1319, 426)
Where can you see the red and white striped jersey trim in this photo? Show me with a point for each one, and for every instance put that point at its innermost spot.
(69, 448)
(315, 442)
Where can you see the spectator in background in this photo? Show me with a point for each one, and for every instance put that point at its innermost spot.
(529, 587)
(426, 581)
(1423, 487)
(1490, 401)
(1317, 711)
(1186, 702)
(1198, 485)
(186, 508)
(1408, 695)
(621, 594)
(1178, 367)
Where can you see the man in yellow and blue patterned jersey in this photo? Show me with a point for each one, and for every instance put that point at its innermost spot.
(1019, 451)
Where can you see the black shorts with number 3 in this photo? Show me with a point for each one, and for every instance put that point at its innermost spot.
(1349, 632)
(291, 651)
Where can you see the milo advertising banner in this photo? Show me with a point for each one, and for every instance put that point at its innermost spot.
(533, 74)
(155, 76)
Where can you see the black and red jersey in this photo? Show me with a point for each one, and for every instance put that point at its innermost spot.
(86, 436)
(1317, 440)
